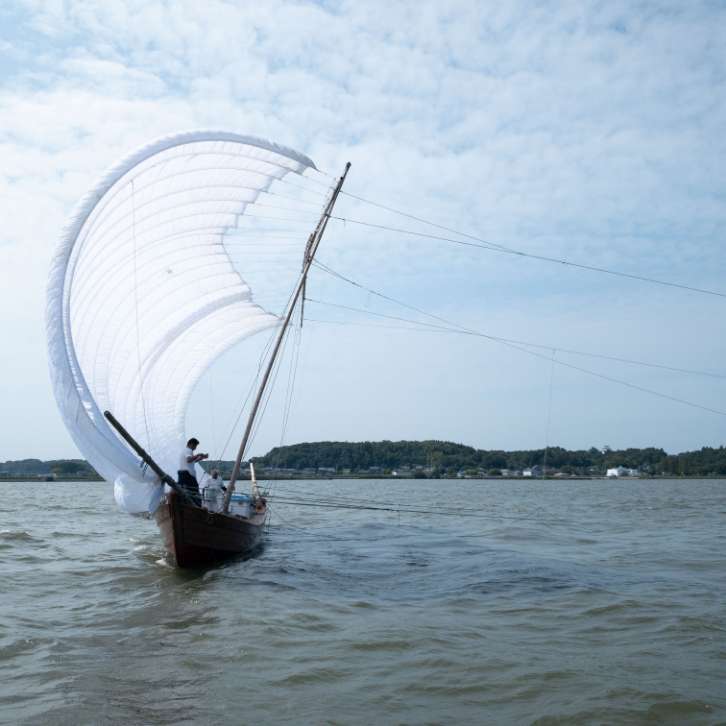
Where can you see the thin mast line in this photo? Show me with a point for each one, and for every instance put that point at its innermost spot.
(456, 328)
(268, 393)
(420, 327)
(493, 247)
(543, 357)
(422, 220)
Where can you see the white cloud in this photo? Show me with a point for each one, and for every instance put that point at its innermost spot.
(592, 131)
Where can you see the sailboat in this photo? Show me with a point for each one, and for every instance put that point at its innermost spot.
(143, 295)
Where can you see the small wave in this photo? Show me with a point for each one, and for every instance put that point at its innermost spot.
(697, 624)
(21, 646)
(17, 535)
(528, 582)
(397, 645)
(678, 710)
(312, 623)
(66, 535)
(615, 607)
(315, 675)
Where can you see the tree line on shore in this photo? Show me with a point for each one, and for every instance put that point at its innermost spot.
(434, 458)
(444, 457)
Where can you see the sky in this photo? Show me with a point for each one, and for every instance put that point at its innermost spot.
(591, 131)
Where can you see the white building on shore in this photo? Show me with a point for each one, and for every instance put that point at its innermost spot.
(618, 471)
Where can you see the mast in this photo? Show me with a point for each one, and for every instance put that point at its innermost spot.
(311, 249)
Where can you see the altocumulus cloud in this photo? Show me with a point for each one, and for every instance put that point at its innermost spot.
(588, 130)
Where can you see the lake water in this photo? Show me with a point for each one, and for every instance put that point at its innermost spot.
(550, 603)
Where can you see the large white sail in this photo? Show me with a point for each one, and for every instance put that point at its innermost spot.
(143, 294)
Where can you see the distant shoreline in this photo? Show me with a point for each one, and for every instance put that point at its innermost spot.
(431, 459)
(382, 477)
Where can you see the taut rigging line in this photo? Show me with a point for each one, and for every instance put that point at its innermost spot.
(504, 341)
(402, 510)
(451, 327)
(395, 509)
(494, 247)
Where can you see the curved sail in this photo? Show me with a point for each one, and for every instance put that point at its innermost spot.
(143, 293)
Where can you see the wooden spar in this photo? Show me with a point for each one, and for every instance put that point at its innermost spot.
(305, 259)
(313, 244)
(145, 457)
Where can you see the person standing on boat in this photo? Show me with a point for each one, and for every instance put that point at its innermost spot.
(187, 475)
(213, 490)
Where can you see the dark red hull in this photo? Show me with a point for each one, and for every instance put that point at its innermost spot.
(196, 537)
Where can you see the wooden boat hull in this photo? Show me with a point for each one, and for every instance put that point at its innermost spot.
(195, 537)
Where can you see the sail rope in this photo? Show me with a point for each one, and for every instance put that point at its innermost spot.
(292, 376)
(303, 188)
(420, 219)
(253, 385)
(495, 247)
(452, 327)
(374, 508)
(352, 502)
(304, 221)
(455, 328)
(275, 372)
(441, 511)
(285, 208)
(268, 393)
(241, 407)
(428, 328)
(510, 344)
(587, 371)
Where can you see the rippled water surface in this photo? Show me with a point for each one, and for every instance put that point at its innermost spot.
(552, 602)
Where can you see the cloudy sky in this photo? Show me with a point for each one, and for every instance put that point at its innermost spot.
(589, 131)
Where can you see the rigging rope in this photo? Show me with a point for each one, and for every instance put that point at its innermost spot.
(452, 327)
(444, 512)
(284, 180)
(494, 247)
(294, 362)
(420, 219)
(263, 356)
(249, 393)
(426, 328)
(323, 505)
(543, 357)
(515, 347)
(268, 393)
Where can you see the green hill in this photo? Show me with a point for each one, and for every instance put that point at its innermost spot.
(444, 457)
(421, 458)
